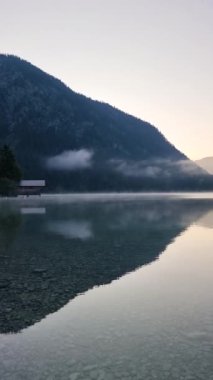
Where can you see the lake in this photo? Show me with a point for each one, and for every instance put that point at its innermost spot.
(106, 287)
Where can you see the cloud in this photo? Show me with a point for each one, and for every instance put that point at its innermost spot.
(137, 169)
(71, 160)
(156, 168)
(189, 167)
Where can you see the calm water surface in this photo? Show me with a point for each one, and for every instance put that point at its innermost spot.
(106, 287)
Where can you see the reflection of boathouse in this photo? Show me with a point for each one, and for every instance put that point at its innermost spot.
(31, 187)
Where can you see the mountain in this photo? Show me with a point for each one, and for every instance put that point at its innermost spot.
(206, 164)
(79, 144)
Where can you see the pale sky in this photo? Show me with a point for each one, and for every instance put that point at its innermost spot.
(150, 58)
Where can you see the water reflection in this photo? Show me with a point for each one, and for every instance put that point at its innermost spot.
(206, 220)
(9, 225)
(50, 257)
(71, 229)
(33, 210)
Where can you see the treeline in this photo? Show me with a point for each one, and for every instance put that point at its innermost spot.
(10, 173)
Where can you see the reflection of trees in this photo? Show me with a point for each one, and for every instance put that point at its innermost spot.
(9, 226)
(50, 268)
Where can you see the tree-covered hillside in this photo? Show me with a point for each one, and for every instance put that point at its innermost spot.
(79, 144)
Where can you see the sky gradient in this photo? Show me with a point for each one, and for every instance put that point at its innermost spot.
(150, 58)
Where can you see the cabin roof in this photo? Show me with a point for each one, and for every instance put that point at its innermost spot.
(34, 183)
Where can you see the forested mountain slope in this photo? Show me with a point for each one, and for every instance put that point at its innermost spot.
(79, 144)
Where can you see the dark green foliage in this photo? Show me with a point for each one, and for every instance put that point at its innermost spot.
(8, 166)
(7, 187)
(40, 117)
(10, 173)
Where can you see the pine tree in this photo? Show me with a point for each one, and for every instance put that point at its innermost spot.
(10, 173)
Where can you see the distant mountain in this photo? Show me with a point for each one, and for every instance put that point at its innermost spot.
(79, 144)
(206, 164)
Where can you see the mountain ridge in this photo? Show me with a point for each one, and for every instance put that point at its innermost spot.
(46, 122)
(206, 163)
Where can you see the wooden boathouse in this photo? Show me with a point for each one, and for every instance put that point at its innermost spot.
(31, 187)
